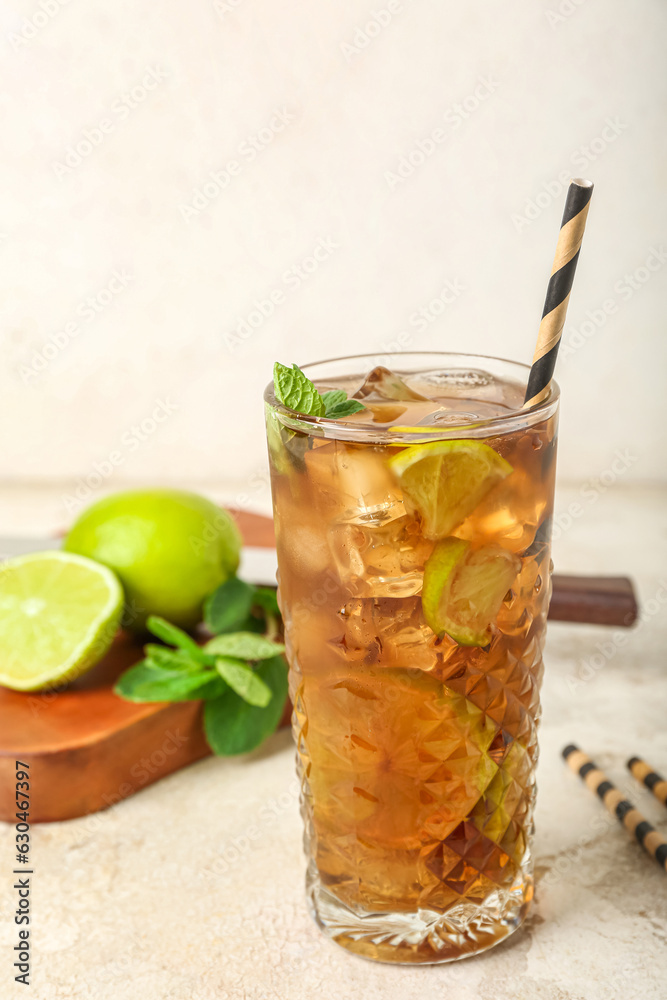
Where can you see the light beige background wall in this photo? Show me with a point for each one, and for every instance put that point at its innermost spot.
(167, 166)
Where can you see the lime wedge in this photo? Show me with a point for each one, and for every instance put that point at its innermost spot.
(58, 615)
(464, 588)
(445, 480)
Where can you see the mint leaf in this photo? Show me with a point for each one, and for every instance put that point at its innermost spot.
(232, 726)
(243, 646)
(253, 624)
(336, 404)
(344, 409)
(333, 398)
(294, 390)
(174, 636)
(242, 679)
(174, 659)
(229, 606)
(147, 682)
(266, 599)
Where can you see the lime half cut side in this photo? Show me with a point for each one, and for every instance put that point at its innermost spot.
(58, 615)
(446, 480)
(464, 588)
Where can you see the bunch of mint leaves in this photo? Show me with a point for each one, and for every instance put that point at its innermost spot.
(240, 674)
(294, 390)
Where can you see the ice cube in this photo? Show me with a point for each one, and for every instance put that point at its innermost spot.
(359, 640)
(385, 413)
(390, 632)
(510, 514)
(447, 418)
(406, 639)
(353, 484)
(380, 560)
(305, 546)
(382, 385)
(457, 378)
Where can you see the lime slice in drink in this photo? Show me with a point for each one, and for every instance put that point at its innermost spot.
(464, 588)
(445, 480)
(58, 615)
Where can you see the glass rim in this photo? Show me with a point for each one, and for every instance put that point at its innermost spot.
(358, 431)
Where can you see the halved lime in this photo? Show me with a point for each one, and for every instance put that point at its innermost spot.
(464, 588)
(445, 480)
(58, 615)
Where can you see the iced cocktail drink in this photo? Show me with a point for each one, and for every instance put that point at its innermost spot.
(414, 579)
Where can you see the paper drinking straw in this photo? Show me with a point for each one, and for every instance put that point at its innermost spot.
(655, 782)
(558, 291)
(647, 836)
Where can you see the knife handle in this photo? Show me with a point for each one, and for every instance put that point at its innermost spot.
(596, 600)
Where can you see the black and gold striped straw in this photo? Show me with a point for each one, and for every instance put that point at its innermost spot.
(646, 835)
(558, 291)
(644, 773)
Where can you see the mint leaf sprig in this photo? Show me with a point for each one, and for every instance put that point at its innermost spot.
(240, 673)
(294, 390)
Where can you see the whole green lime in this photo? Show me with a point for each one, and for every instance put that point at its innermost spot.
(169, 548)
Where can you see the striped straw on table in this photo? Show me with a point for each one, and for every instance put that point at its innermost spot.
(644, 773)
(558, 290)
(646, 835)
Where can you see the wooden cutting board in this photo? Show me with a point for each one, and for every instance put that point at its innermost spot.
(87, 749)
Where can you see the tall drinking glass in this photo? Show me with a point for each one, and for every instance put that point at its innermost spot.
(414, 579)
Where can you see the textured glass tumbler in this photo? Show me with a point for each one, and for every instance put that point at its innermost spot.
(416, 753)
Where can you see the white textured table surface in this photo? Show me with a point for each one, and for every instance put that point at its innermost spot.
(193, 889)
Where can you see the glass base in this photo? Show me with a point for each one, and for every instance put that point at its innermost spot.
(422, 937)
